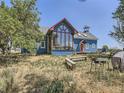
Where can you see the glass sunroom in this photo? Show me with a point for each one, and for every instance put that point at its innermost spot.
(60, 38)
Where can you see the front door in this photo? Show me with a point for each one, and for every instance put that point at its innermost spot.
(81, 47)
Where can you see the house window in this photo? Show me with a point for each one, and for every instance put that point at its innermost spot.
(90, 45)
(42, 44)
(93, 46)
(87, 46)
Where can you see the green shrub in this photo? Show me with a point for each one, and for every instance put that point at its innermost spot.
(56, 86)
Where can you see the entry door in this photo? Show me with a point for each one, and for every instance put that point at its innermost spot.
(81, 47)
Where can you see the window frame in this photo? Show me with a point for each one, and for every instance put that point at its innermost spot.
(41, 44)
(64, 33)
(87, 46)
(93, 45)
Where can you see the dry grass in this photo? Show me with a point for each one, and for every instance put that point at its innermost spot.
(48, 74)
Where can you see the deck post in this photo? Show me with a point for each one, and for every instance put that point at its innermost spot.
(51, 41)
(73, 41)
(47, 43)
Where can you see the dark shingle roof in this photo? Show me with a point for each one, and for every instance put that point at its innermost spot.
(44, 30)
(85, 36)
(79, 35)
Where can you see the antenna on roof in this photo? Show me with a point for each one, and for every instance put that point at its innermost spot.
(86, 28)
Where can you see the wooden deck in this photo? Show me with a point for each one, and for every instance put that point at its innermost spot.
(72, 61)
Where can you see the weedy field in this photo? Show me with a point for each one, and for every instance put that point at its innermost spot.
(48, 74)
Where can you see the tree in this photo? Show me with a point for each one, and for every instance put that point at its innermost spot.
(118, 15)
(8, 27)
(19, 25)
(27, 13)
(105, 48)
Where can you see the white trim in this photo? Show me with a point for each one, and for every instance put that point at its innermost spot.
(81, 42)
(90, 45)
(44, 44)
(93, 45)
(87, 46)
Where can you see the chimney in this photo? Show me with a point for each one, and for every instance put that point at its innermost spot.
(86, 28)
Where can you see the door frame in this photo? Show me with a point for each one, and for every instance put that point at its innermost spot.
(82, 46)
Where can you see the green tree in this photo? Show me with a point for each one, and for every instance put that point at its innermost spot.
(118, 15)
(19, 25)
(105, 48)
(8, 27)
(27, 13)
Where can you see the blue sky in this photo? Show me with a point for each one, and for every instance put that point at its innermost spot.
(95, 13)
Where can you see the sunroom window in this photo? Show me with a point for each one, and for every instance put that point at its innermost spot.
(62, 38)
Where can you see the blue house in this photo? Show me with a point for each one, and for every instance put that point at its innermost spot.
(64, 39)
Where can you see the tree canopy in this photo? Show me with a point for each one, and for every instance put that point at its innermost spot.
(19, 24)
(8, 27)
(105, 48)
(118, 15)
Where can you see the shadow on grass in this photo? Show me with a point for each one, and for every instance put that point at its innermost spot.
(6, 60)
(41, 84)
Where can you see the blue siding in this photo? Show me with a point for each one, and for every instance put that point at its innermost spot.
(91, 49)
(62, 52)
(90, 42)
(42, 50)
(69, 52)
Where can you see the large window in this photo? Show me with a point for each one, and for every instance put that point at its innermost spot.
(62, 38)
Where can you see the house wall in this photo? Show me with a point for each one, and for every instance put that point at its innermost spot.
(86, 49)
(69, 52)
(41, 50)
(62, 52)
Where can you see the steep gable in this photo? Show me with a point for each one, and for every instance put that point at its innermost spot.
(65, 21)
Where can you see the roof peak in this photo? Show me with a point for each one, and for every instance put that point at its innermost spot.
(63, 20)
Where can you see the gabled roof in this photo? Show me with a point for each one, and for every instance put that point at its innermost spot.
(78, 35)
(85, 36)
(66, 21)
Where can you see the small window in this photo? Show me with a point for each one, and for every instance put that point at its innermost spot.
(93, 46)
(90, 45)
(87, 46)
(43, 44)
